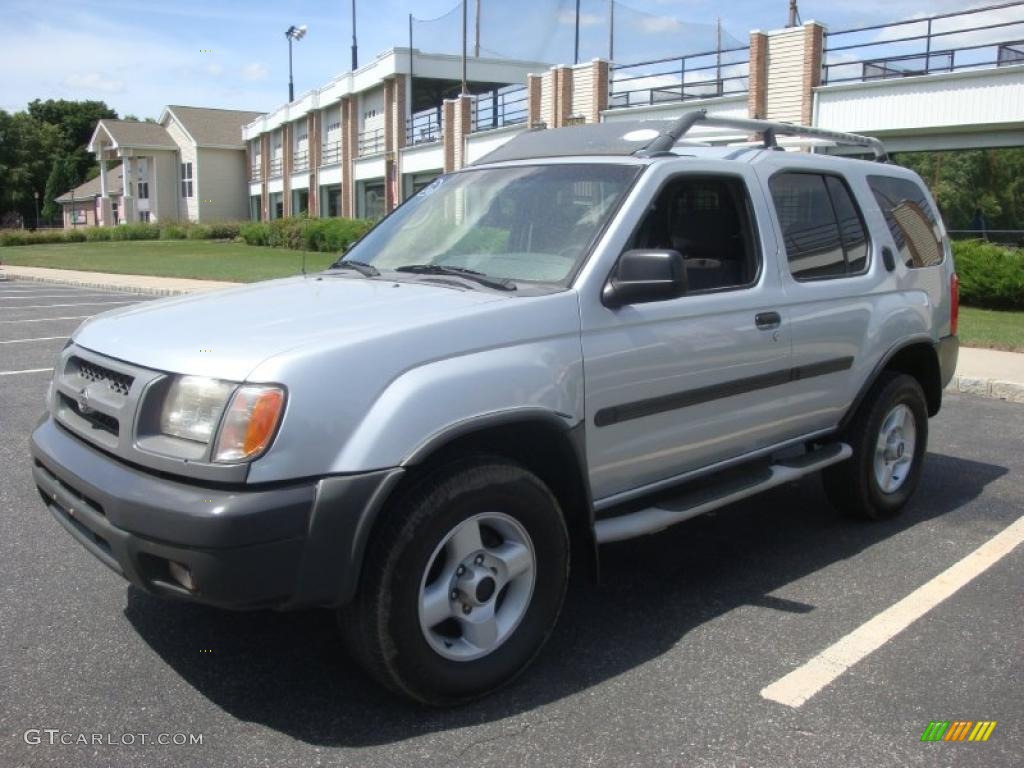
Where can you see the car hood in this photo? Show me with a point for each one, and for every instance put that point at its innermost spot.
(226, 334)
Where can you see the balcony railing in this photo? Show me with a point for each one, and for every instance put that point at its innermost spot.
(423, 127)
(501, 107)
(330, 154)
(371, 142)
(977, 38)
(255, 173)
(705, 75)
(276, 167)
(300, 161)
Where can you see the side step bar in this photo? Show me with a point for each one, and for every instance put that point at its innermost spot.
(670, 511)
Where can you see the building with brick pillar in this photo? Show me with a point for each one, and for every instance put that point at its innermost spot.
(358, 145)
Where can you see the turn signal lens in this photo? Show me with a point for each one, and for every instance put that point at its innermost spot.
(954, 299)
(249, 423)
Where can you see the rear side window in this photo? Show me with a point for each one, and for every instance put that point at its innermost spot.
(822, 227)
(911, 219)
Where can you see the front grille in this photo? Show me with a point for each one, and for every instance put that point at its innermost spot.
(120, 383)
(95, 418)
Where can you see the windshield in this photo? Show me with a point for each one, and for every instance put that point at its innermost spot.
(526, 223)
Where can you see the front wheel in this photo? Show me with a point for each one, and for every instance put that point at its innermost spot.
(463, 582)
(889, 436)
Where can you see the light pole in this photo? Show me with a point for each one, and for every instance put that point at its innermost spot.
(36, 196)
(293, 33)
(355, 48)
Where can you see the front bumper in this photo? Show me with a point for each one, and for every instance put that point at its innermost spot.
(282, 547)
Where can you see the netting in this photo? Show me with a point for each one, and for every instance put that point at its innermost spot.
(544, 31)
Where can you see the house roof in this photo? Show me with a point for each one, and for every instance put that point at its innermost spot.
(212, 127)
(91, 189)
(131, 133)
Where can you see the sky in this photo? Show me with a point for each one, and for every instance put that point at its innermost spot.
(139, 55)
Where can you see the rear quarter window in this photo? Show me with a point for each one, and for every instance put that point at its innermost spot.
(911, 219)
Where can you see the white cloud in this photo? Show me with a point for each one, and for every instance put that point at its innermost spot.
(254, 72)
(215, 69)
(93, 81)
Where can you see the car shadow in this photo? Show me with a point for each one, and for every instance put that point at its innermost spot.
(288, 671)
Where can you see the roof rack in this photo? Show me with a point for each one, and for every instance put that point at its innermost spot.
(769, 129)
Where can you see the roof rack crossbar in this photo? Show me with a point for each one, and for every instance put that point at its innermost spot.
(769, 129)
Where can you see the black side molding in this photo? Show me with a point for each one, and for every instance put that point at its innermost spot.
(617, 414)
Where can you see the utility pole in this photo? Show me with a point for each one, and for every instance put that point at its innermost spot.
(465, 87)
(355, 48)
(576, 54)
(476, 47)
(611, 31)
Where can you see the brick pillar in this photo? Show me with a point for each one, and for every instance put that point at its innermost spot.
(264, 173)
(792, 71)
(758, 75)
(533, 111)
(349, 137)
(463, 127)
(600, 87)
(563, 95)
(448, 133)
(286, 167)
(313, 153)
(814, 44)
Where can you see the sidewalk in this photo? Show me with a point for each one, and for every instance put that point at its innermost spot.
(990, 373)
(984, 372)
(158, 286)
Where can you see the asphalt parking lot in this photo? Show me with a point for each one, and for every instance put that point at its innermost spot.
(662, 663)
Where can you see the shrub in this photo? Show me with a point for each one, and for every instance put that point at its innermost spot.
(255, 233)
(173, 232)
(94, 234)
(139, 231)
(991, 276)
(223, 230)
(198, 232)
(74, 235)
(27, 237)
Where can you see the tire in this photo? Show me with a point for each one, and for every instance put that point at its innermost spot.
(854, 486)
(391, 626)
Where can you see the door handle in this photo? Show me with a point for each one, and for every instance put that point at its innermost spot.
(887, 258)
(767, 320)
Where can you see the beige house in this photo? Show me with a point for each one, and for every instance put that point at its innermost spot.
(190, 165)
(81, 206)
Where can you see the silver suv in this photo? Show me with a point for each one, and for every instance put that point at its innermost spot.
(593, 334)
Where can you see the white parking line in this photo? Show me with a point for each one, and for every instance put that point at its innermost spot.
(55, 296)
(77, 304)
(41, 338)
(802, 683)
(45, 319)
(29, 370)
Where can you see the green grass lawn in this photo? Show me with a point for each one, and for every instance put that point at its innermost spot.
(992, 329)
(201, 259)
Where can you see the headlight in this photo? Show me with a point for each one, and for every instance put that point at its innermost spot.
(249, 423)
(193, 407)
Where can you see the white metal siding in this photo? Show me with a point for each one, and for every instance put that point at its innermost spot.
(976, 98)
(582, 91)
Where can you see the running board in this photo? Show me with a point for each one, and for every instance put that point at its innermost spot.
(670, 511)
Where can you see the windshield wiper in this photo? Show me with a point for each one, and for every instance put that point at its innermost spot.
(499, 283)
(366, 270)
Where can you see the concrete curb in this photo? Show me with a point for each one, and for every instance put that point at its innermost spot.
(1010, 391)
(120, 288)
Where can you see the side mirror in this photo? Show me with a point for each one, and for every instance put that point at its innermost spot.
(645, 275)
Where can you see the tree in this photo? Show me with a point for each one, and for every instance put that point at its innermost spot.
(62, 179)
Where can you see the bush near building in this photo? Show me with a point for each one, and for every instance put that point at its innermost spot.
(324, 235)
(991, 276)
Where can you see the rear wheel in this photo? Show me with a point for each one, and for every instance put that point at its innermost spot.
(889, 436)
(463, 582)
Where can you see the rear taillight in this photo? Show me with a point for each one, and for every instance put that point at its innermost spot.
(954, 298)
